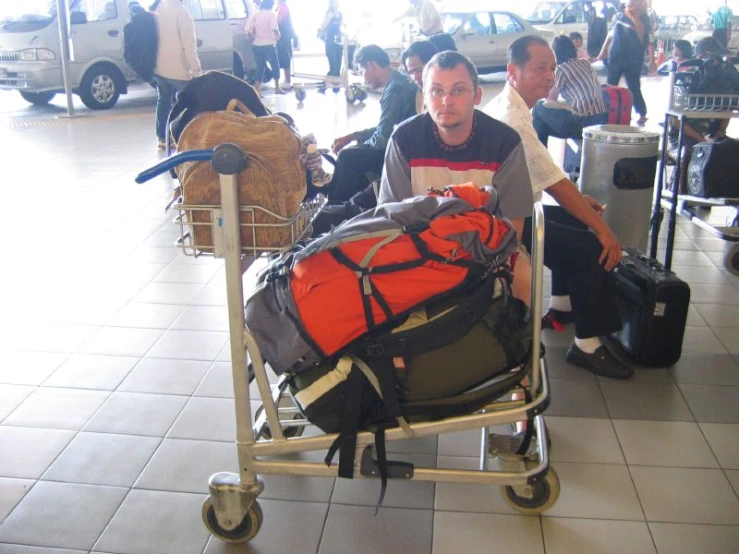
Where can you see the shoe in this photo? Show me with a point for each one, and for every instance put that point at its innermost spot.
(507, 447)
(161, 145)
(642, 121)
(600, 362)
(556, 319)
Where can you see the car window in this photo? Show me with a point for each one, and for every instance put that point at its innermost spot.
(451, 22)
(94, 10)
(478, 24)
(202, 10)
(237, 9)
(573, 13)
(504, 23)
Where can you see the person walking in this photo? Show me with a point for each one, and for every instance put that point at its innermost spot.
(330, 33)
(263, 27)
(285, 42)
(625, 48)
(721, 21)
(177, 59)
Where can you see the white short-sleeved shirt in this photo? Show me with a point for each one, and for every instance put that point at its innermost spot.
(510, 108)
(428, 17)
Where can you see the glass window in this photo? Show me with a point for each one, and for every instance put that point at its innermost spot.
(478, 24)
(95, 10)
(573, 13)
(236, 9)
(206, 9)
(504, 23)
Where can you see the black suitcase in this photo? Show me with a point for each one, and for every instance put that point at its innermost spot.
(653, 305)
(713, 171)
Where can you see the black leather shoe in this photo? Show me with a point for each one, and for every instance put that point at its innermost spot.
(556, 320)
(600, 362)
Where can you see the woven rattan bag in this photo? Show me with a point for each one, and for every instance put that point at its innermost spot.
(274, 178)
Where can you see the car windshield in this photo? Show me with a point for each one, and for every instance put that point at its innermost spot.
(544, 12)
(451, 22)
(26, 15)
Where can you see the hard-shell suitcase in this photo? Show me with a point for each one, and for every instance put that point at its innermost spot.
(653, 305)
(619, 102)
(713, 171)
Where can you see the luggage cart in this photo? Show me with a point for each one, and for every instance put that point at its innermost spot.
(352, 91)
(718, 216)
(232, 511)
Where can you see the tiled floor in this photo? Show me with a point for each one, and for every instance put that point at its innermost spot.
(116, 401)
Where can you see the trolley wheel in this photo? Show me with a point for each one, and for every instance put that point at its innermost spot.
(290, 431)
(245, 531)
(534, 498)
(300, 94)
(731, 257)
(361, 94)
(351, 95)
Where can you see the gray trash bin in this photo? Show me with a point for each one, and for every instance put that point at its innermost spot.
(618, 167)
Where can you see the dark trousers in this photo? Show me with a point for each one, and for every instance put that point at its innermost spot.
(166, 94)
(632, 74)
(571, 252)
(334, 53)
(356, 167)
(263, 55)
(562, 123)
(722, 36)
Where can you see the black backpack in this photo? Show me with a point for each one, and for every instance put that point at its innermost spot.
(140, 44)
(713, 76)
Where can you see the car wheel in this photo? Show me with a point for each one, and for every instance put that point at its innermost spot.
(38, 98)
(99, 89)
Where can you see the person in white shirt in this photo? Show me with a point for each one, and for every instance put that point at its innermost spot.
(177, 58)
(579, 259)
(425, 12)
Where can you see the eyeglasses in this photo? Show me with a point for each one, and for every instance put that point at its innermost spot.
(456, 92)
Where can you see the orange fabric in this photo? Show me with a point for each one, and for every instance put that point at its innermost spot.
(329, 295)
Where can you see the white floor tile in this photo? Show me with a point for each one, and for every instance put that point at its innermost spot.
(672, 538)
(485, 533)
(724, 441)
(596, 536)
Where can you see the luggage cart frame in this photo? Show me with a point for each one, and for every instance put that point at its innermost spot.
(232, 511)
(352, 91)
(695, 106)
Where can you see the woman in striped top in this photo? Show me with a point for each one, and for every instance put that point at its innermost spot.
(576, 82)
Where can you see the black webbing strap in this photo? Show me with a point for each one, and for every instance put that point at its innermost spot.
(381, 465)
(529, 433)
(346, 442)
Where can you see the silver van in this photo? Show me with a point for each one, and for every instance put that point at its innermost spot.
(563, 17)
(30, 53)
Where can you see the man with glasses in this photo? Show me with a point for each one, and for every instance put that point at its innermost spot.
(454, 143)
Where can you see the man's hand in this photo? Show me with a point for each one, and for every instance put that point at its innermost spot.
(593, 203)
(341, 142)
(611, 254)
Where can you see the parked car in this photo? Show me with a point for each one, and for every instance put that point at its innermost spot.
(485, 35)
(563, 17)
(673, 27)
(30, 54)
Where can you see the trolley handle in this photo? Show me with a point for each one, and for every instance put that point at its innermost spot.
(227, 159)
(172, 162)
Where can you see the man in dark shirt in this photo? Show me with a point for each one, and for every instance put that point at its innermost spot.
(398, 103)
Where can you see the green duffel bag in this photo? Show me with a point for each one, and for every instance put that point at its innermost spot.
(444, 360)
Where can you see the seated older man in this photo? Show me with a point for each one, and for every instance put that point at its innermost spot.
(579, 259)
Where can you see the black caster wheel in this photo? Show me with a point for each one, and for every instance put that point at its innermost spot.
(535, 498)
(246, 530)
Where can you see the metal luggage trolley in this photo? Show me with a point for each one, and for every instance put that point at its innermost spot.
(352, 91)
(718, 216)
(232, 511)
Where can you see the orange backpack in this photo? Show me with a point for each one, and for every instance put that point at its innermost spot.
(373, 270)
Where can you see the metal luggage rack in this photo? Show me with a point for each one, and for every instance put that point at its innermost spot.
(298, 227)
(232, 511)
(681, 100)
